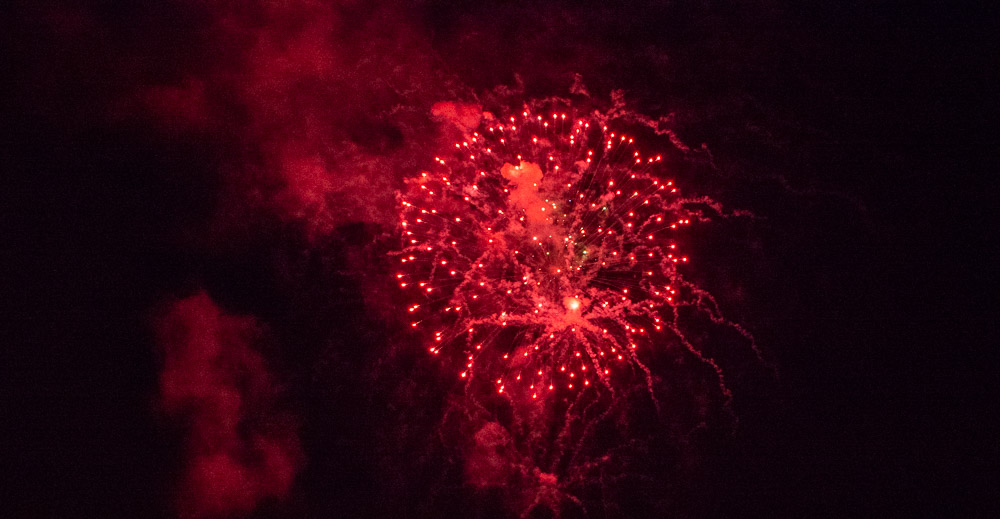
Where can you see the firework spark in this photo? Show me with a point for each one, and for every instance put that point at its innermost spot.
(542, 255)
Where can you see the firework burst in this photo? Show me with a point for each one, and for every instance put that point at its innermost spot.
(542, 255)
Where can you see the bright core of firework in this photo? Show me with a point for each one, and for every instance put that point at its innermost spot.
(540, 254)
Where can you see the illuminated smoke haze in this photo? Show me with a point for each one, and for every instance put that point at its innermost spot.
(348, 259)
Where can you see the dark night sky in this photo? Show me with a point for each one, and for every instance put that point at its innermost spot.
(155, 152)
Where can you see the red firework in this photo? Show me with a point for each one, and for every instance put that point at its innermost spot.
(540, 254)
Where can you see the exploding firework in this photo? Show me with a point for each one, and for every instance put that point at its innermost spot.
(543, 254)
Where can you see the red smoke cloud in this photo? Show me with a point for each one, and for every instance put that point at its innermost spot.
(492, 459)
(318, 106)
(239, 450)
(464, 116)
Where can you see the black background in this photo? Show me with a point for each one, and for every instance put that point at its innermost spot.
(863, 128)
